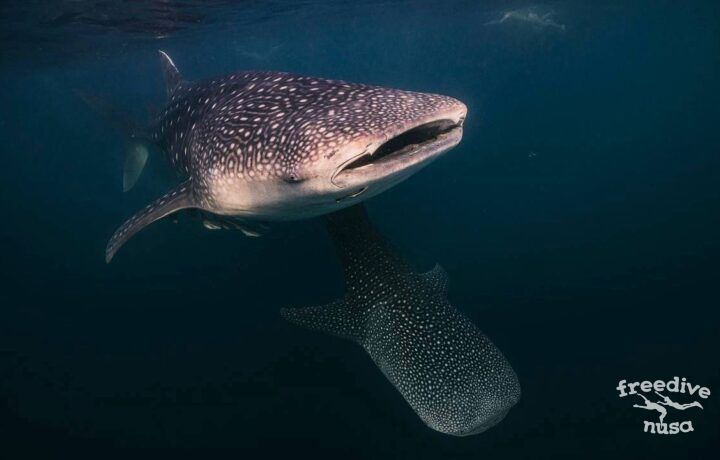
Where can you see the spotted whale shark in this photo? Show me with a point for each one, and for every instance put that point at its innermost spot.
(455, 379)
(267, 146)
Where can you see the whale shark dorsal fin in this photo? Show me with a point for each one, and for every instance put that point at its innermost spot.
(437, 278)
(180, 197)
(336, 318)
(171, 75)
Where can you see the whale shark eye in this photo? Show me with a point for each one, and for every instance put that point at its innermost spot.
(292, 179)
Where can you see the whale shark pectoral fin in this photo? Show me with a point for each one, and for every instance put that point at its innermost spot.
(171, 75)
(180, 197)
(336, 318)
(437, 278)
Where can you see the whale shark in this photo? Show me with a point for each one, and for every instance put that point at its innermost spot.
(267, 146)
(450, 373)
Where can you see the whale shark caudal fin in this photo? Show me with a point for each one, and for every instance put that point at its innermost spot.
(181, 197)
(137, 139)
(337, 318)
(123, 122)
(171, 75)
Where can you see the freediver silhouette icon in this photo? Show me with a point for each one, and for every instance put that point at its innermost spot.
(650, 405)
(669, 402)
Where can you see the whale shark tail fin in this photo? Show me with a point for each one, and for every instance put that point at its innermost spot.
(137, 139)
(136, 156)
(171, 75)
(336, 318)
(181, 197)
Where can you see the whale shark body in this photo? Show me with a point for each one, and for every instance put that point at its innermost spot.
(447, 370)
(267, 146)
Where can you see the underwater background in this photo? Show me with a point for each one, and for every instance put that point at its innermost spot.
(577, 220)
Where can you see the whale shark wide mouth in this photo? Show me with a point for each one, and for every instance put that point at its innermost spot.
(406, 149)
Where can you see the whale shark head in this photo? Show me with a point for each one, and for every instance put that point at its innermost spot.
(381, 148)
(292, 147)
(478, 405)
(481, 423)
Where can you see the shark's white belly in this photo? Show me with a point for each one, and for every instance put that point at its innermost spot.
(274, 200)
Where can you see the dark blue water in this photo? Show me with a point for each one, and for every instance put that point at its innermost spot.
(578, 221)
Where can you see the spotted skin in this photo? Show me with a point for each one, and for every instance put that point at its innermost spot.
(448, 371)
(269, 145)
(257, 125)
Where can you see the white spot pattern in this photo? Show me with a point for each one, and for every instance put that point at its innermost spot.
(272, 124)
(449, 372)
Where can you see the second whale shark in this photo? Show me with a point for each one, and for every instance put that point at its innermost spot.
(267, 146)
(448, 371)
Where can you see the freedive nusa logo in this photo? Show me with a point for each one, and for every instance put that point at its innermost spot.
(660, 402)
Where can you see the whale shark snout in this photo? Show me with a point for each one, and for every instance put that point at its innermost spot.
(475, 390)
(403, 151)
(481, 426)
(488, 409)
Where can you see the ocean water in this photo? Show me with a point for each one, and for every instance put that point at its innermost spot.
(577, 220)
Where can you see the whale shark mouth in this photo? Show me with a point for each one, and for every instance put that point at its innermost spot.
(399, 153)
